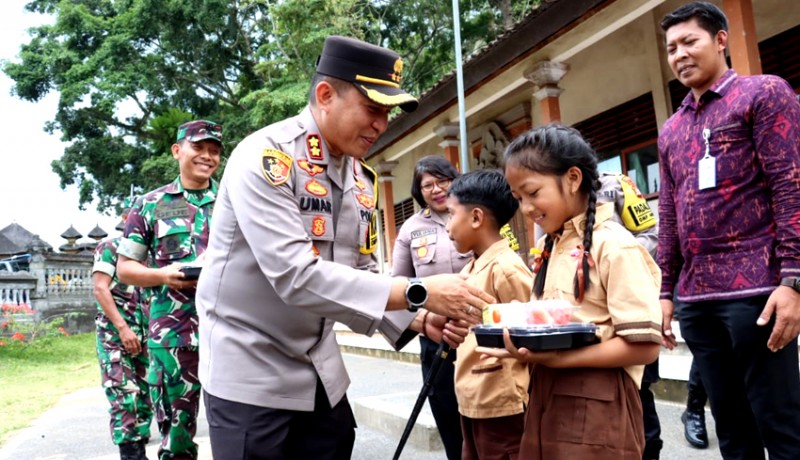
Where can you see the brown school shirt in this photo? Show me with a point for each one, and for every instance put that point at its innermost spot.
(622, 298)
(493, 387)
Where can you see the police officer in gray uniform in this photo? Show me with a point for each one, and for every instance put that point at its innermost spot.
(292, 251)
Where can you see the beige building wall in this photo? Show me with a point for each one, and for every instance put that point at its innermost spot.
(613, 57)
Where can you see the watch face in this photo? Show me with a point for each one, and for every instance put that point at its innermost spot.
(417, 294)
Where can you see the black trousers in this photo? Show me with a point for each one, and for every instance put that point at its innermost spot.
(652, 426)
(245, 432)
(754, 393)
(697, 398)
(442, 399)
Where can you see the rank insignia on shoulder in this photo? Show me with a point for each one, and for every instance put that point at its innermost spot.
(315, 188)
(361, 185)
(365, 200)
(311, 168)
(315, 147)
(318, 226)
(276, 166)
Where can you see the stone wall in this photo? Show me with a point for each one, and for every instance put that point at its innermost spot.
(57, 284)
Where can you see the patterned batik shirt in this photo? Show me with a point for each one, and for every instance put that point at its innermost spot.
(170, 225)
(740, 233)
(126, 297)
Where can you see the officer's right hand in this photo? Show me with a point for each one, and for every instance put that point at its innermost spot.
(174, 277)
(451, 296)
(130, 341)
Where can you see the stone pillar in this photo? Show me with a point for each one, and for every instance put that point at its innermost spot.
(742, 40)
(386, 203)
(449, 132)
(657, 67)
(546, 75)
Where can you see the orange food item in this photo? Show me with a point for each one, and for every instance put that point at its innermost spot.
(537, 316)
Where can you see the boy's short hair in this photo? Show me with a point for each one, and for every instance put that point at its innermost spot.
(488, 189)
(709, 17)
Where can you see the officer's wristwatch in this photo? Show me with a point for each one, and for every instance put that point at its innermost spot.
(793, 283)
(416, 294)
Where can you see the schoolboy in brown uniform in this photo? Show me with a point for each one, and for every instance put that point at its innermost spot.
(492, 393)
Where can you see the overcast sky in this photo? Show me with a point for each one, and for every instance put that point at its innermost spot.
(30, 194)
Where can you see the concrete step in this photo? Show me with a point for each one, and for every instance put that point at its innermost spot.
(390, 413)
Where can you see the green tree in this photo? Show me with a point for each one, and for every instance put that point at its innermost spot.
(128, 72)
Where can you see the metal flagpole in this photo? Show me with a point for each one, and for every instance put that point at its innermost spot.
(444, 349)
(462, 118)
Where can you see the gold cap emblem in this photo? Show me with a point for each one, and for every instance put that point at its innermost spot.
(398, 70)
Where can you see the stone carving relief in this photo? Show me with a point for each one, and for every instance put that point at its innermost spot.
(493, 142)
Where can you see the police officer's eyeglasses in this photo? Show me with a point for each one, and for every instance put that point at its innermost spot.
(443, 184)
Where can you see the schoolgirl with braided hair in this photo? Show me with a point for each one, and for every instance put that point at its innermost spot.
(584, 403)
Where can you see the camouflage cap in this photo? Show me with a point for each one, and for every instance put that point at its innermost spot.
(375, 71)
(127, 204)
(198, 130)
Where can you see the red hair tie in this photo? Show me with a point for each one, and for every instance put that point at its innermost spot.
(583, 255)
(538, 261)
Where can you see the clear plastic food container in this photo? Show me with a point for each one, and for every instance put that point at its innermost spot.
(539, 338)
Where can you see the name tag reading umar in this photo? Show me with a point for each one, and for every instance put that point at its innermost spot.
(707, 166)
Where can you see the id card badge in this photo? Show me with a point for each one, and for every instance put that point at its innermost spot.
(707, 174)
(707, 166)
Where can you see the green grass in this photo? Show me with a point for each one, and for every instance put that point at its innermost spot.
(35, 376)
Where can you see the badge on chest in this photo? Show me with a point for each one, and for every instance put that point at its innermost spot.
(172, 209)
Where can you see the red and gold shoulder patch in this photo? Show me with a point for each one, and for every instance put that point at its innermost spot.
(311, 168)
(318, 226)
(276, 166)
(315, 147)
(365, 200)
(315, 188)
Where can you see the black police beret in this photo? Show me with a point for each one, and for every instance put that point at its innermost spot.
(375, 71)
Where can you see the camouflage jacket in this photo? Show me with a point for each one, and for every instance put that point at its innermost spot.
(127, 298)
(170, 225)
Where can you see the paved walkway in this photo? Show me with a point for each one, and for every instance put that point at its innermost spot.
(77, 427)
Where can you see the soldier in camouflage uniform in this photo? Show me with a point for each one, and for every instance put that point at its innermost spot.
(122, 352)
(169, 226)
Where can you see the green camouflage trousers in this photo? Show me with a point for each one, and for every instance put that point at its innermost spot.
(124, 379)
(175, 391)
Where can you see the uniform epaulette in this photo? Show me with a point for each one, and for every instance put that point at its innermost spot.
(292, 129)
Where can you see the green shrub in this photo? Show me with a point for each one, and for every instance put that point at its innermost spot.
(19, 328)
